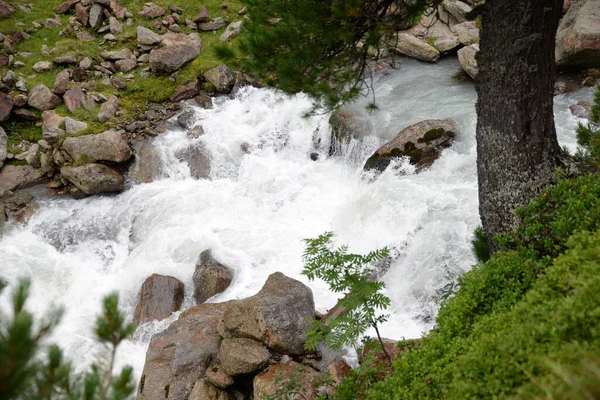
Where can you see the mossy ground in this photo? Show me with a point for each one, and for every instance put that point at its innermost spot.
(139, 91)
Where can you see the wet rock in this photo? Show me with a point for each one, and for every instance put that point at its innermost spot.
(446, 44)
(74, 126)
(221, 77)
(42, 98)
(147, 167)
(186, 91)
(82, 15)
(213, 25)
(94, 178)
(581, 109)
(3, 146)
(278, 316)
(195, 132)
(578, 36)
(344, 127)
(284, 381)
(106, 146)
(467, 32)
(197, 159)
(108, 109)
(204, 390)
(146, 37)
(43, 66)
(13, 177)
(6, 106)
(422, 143)
(232, 30)
(61, 84)
(409, 45)
(151, 10)
(66, 6)
(76, 98)
(217, 376)
(96, 16)
(467, 57)
(180, 355)
(175, 50)
(243, 356)
(210, 277)
(203, 100)
(186, 120)
(159, 296)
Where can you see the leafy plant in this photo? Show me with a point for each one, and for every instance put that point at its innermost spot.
(349, 274)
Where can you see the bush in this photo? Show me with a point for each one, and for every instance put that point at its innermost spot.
(588, 136)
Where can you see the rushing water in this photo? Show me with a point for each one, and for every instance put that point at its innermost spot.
(256, 209)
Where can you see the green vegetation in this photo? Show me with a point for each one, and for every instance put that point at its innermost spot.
(588, 136)
(24, 374)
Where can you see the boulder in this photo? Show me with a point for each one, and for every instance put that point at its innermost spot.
(204, 390)
(282, 381)
(409, 45)
(422, 143)
(82, 14)
(118, 11)
(213, 25)
(174, 51)
(19, 100)
(96, 16)
(446, 44)
(6, 9)
(6, 106)
(179, 356)
(3, 146)
(186, 119)
(278, 316)
(467, 57)
(52, 134)
(105, 146)
(146, 37)
(25, 114)
(13, 177)
(186, 91)
(125, 65)
(115, 26)
(51, 119)
(210, 277)
(109, 109)
(221, 77)
(581, 109)
(243, 356)
(467, 32)
(217, 376)
(73, 126)
(344, 127)
(76, 98)
(457, 9)
(94, 178)
(43, 66)
(151, 10)
(159, 296)
(578, 36)
(61, 84)
(42, 98)
(147, 166)
(232, 30)
(66, 6)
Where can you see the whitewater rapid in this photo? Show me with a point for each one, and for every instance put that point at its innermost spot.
(257, 208)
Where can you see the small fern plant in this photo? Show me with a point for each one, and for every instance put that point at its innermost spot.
(350, 274)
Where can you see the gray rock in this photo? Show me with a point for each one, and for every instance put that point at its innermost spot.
(213, 25)
(43, 66)
(243, 356)
(578, 36)
(159, 296)
(186, 120)
(94, 178)
(119, 11)
(123, 54)
(278, 316)
(221, 77)
(198, 160)
(409, 45)
(52, 134)
(109, 109)
(147, 166)
(13, 177)
(6, 106)
(175, 50)
(105, 146)
(32, 157)
(232, 30)
(210, 277)
(422, 143)
(204, 390)
(446, 44)
(468, 60)
(76, 98)
(146, 37)
(151, 10)
(581, 109)
(115, 26)
(467, 32)
(3, 146)
(96, 16)
(457, 9)
(42, 98)
(25, 114)
(74, 126)
(202, 15)
(52, 119)
(66, 6)
(61, 84)
(86, 63)
(65, 59)
(125, 65)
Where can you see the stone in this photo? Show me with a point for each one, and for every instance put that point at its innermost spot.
(25, 114)
(106, 146)
(186, 91)
(243, 356)
(467, 32)
(210, 277)
(338, 370)
(32, 156)
(42, 98)
(232, 30)
(52, 134)
(217, 376)
(82, 14)
(213, 25)
(457, 9)
(446, 44)
(103, 3)
(19, 100)
(61, 84)
(43, 66)
(51, 119)
(175, 50)
(115, 26)
(186, 119)
(125, 65)
(79, 75)
(203, 100)
(52, 22)
(179, 356)
(204, 390)
(13, 177)
(3, 146)
(119, 11)
(278, 316)
(94, 178)
(118, 83)
(123, 54)
(146, 37)
(85, 36)
(467, 57)
(96, 16)
(74, 126)
(66, 6)
(76, 98)
(108, 109)
(65, 59)
(422, 143)
(588, 81)
(159, 297)
(284, 381)
(6, 9)
(6, 106)
(174, 28)
(147, 166)
(578, 36)
(151, 10)
(409, 45)
(197, 159)
(195, 132)
(202, 15)
(221, 77)
(581, 109)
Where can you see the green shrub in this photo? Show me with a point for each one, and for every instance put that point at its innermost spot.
(588, 136)
(480, 245)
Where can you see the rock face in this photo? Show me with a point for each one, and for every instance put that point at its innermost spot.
(13, 177)
(105, 146)
(147, 165)
(222, 77)
(409, 45)
(243, 356)
(281, 379)
(578, 36)
(421, 142)
(159, 296)
(278, 316)
(467, 57)
(42, 98)
(94, 178)
(179, 356)
(174, 51)
(210, 277)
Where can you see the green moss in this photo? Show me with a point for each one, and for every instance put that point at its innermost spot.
(82, 160)
(431, 135)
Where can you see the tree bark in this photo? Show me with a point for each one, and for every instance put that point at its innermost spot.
(517, 149)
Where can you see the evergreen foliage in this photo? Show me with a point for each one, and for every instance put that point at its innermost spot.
(319, 47)
(349, 274)
(588, 136)
(481, 245)
(24, 374)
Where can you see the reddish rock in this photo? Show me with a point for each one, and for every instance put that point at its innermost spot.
(159, 297)
(61, 84)
(186, 91)
(282, 381)
(203, 15)
(151, 10)
(82, 14)
(76, 98)
(210, 277)
(174, 51)
(6, 9)
(66, 6)
(6, 106)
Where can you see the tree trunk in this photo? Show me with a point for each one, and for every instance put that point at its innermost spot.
(517, 149)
